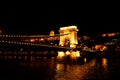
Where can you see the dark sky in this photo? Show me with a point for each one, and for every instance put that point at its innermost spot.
(37, 23)
(36, 18)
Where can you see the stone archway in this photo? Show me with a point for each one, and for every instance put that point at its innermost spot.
(67, 42)
(69, 33)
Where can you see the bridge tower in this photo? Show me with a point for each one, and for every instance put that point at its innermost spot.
(68, 36)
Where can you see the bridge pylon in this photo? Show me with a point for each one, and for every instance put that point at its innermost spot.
(71, 38)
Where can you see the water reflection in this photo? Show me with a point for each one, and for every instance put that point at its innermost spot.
(50, 69)
(104, 63)
(74, 71)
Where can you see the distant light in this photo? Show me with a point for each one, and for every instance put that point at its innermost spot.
(32, 40)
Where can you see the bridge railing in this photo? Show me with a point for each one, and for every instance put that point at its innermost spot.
(7, 35)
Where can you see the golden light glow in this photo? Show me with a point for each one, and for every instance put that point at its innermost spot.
(85, 59)
(104, 63)
(104, 35)
(67, 52)
(60, 67)
(111, 34)
(73, 55)
(77, 53)
(32, 40)
(60, 54)
(71, 32)
(68, 27)
(100, 47)
(52, 33)
(42, 39)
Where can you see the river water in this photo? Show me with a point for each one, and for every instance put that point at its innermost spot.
(50, 69)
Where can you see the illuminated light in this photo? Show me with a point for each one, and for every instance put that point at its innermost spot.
(68, 27)
(111, 34)
(67, 52)
(73, 55)
(2, 41)
(104, 61)
(73, 46)
(32, 40)
(85, 60)
(97, 47)
(60, 67)
(101, 47)
(42, 39)
(86, 37)
(51, 43)
(71, 32)
(77, 53)
(52, 33)
(104, 47)
(104, 35)
(6, 35)
(61, 54)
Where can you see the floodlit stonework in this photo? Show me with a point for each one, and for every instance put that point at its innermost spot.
(69, 36)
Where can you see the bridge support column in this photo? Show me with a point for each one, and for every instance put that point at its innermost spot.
(68, 56)
(60, 56)
(68, 36)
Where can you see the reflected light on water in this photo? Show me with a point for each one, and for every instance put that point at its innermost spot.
(60, 67)
(104, 63)
(74, 72)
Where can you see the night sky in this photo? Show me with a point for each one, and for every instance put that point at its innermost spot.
(40, 19)
(43, 23)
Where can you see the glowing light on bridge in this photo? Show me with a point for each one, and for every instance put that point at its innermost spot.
(68, 52)
(32, 40)
(72, 36)
(60, 55)
(68, 27)
(74, 55)
(77, 53)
